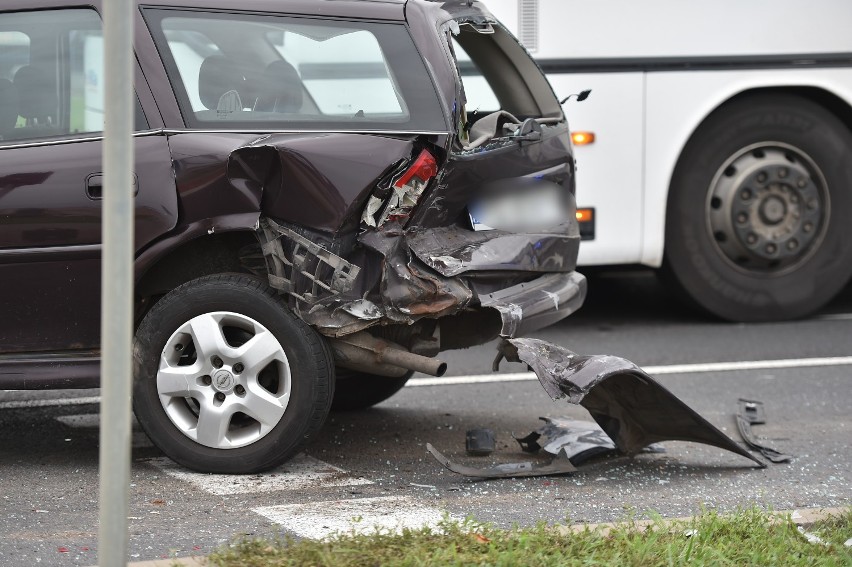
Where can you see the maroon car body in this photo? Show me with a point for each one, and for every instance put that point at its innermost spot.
(362, 221)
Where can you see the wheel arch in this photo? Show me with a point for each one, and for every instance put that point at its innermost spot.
(654, 246)
(206, 254)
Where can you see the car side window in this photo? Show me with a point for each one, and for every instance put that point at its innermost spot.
(344, 74)
(240, 70)
(51, 74)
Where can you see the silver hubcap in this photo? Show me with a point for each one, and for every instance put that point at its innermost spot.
(767, 208)
(224, 380)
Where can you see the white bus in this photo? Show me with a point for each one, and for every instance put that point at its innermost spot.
(722, 141)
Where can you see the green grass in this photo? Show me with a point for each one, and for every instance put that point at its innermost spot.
(747, 537)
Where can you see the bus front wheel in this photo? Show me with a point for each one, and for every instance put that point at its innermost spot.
(759, 219)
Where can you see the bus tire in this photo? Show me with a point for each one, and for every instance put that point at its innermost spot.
(759, 217)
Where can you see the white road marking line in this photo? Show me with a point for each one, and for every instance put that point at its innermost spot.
(471, 379)
(300, 473)
(54, 402)
(834, 317)
(523, 376)
(85, 420)
(652, 370)
(750, 365)
(318, 520)
(93, 420)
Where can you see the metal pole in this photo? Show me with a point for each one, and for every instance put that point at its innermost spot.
(116, 283)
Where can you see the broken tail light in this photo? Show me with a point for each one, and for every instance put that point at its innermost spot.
(406, 191)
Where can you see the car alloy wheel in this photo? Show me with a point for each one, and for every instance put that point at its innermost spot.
(227, 378)
(224, 380)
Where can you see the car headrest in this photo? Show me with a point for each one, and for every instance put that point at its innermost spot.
(36, 93)
(281, 88)
(8, 106)
(217, 76)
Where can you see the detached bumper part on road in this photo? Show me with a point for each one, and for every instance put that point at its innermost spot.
(631, 408)
(629, 405)
(533, 305)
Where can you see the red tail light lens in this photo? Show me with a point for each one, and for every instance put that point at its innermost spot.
(423, 169)
(408, 188)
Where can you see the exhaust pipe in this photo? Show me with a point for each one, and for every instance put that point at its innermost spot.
(365, 353)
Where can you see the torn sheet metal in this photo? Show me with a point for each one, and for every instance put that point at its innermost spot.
(409, 289)
(559, 465)
(560, 432)
(396, 287)
(453, 250)
(368, 217)
(750, 413)
(535, 304)
(630, 406)
(415, 272)
(321, 180)
(364, 309)
(580, 440)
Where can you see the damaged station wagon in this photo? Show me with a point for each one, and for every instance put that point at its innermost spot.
(319, 210)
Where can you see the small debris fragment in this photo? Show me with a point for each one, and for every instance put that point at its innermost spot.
(559, 465)
(750, 413)
(848, 542)
(581, 440)
(811, 538)
(480, 442)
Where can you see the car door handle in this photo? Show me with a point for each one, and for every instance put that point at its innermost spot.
(95, 186)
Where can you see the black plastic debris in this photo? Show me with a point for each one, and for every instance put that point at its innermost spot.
(580, 440)
(480, 442)
(630, 406)
(560, 464)
(750, 413)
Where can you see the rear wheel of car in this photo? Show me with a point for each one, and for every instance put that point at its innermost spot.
(359, 390)
(227, 379)
(758, 223)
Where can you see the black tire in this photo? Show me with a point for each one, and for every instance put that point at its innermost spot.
(241, 308)
(359, 390)
(758, 221)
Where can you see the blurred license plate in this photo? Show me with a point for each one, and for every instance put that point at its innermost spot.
(529, 208)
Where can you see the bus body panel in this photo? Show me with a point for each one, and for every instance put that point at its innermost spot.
(657, 69)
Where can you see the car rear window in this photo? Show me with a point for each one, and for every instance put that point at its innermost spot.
(498, 74)
(277, 72)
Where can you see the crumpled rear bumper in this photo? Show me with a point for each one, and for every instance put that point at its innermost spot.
(533, 305)
(398, 277)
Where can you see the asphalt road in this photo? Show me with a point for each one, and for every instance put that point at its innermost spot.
(373, 464)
